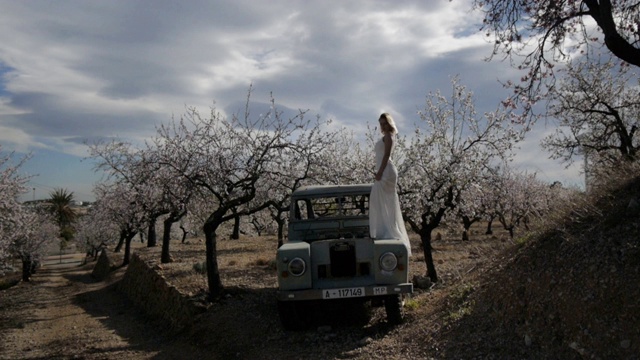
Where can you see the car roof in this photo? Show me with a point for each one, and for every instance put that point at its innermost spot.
(331, 190)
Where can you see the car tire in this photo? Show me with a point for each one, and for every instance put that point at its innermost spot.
(294, 315)
(393, 305)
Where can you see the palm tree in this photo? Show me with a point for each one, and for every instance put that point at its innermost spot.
(60, 201)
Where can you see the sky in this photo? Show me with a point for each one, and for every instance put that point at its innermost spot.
(73, 71)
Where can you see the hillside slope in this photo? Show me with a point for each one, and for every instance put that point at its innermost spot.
(572, 291)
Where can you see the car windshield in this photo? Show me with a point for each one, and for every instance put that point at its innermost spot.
(328, 207)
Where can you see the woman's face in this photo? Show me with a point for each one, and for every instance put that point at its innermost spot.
(384, 125)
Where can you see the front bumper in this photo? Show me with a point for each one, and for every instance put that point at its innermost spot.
(369, 291)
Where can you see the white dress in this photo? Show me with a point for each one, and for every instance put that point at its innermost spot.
(385, 216)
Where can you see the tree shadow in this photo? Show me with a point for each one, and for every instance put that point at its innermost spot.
(142, 333)
(245, 324)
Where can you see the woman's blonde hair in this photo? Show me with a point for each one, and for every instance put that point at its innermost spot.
(387, 117)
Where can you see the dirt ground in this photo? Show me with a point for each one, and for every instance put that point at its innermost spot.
(495, 300)
(569, 292)
(63, 313)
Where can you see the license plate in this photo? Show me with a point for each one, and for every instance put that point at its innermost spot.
(343, 293)
(382, 290)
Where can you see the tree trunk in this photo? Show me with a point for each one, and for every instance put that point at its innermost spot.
(26, 268)
(184, 233)
(489, 229)
(256, 226)
(280, 223)
(425, 237)
(466, 224)
(602, 13)
(213, 273)
(120, 241)
(507, 226)
(166, 238)
(235, 235)
(152, 241)
(127, 248)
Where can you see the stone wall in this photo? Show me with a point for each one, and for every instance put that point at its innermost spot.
(150, 292)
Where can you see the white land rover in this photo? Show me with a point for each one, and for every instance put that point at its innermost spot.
(329, 256)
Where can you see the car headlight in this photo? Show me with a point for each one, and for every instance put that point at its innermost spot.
(388, 261)
(297, 266)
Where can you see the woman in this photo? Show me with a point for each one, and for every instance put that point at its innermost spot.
(385, 217)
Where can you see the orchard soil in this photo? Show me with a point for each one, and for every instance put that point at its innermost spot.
(64, 313)
(571, 293)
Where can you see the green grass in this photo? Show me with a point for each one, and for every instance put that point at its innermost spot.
(412, 304)
(459, 302)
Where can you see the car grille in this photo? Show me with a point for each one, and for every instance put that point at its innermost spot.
(343, 259)
(343, 264)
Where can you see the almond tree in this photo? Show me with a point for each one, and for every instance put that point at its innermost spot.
(440, 162)
(348, 161)
(96, 231)
(317, 157)
(123, 207)
(522, 198)
(230, 159)
(263, 224)
(304, 161)
(12, 185)
(536, 35)
(170, 196)
(25, 232)
(597, 110)
(471, 208)
(132, 167)
(200, 206)
(36, 233)
(157, 190)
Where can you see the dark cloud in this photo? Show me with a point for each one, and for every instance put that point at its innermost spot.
(55, 121)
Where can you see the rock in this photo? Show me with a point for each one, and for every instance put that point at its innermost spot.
(625, 344)
(103, 266)
(422, 282)
(366, 341)
(574, 345)
(527, 340)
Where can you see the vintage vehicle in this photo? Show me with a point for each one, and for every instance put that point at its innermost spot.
(329, 256)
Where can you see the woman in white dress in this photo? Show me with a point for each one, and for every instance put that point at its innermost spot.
(385, 216)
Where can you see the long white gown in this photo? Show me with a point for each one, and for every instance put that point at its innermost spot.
(385, 216)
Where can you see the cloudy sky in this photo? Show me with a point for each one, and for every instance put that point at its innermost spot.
(73, 71)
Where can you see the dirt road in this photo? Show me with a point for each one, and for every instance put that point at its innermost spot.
(64, 314)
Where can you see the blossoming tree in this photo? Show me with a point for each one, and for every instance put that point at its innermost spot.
(233, 159)
(537, 35)
(441, 161)
(12, 185)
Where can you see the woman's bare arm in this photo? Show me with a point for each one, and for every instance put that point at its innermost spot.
(388, 144)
